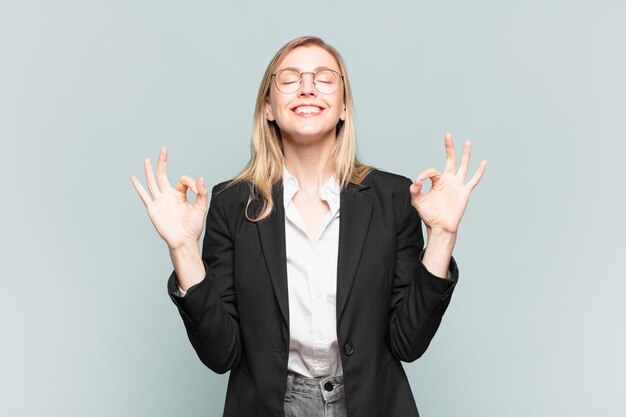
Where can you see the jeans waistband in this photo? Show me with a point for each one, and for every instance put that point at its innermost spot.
(329, 388)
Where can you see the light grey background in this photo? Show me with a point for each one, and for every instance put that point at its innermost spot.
(90, 88)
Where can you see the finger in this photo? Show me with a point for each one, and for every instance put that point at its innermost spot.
(203, 192)
(430, 173)
(184, 183)
(478, 175)
(152, 186)
(143, 194)
(161, 175)
(467, 150)
(450, 155)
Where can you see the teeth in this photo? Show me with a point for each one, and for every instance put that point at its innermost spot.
(307, 109)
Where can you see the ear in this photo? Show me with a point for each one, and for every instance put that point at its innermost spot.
(269, 115)
(342, 115)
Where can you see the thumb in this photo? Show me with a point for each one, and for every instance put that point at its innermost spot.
(416, 188)
(416, 193)
(203, 192)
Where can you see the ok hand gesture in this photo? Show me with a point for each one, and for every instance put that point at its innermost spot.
(443, 206)
(176, 219)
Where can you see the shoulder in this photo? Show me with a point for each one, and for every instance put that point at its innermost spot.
(229, 192)
(387, 182)
(387, 191)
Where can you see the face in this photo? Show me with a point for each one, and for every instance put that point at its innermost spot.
(306, 115)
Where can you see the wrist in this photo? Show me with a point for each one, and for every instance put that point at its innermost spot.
(188, 250)
(438, 252)
(440, 236)
(188, 265)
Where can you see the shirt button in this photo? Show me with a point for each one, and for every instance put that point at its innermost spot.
(348, 349)
(328, 386)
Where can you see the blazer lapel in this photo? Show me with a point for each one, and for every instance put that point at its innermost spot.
(355, 212)
(272, 237)
(355, 215)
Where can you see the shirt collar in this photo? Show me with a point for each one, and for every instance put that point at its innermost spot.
(329, 192)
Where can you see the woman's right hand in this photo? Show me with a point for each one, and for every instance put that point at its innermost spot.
(176, 219)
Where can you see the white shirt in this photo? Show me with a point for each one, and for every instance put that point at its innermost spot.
(312, 285)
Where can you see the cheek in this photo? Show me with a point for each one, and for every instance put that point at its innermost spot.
(340, 107)
(275, 106)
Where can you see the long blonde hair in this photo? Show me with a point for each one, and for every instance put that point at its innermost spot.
(265, 168)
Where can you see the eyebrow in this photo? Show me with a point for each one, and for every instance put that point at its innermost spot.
(300, 70)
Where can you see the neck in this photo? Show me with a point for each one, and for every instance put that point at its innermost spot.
(311, 163)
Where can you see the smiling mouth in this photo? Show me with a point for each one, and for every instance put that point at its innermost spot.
(307, 110)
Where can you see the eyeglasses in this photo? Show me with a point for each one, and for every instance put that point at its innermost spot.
(326, 81)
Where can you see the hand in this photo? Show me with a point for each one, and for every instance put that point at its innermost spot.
(443, 206)
(177, 221)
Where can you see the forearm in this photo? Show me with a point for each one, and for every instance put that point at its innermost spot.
(188, 265)
(438, 252)
(210, 317)
(419, 309)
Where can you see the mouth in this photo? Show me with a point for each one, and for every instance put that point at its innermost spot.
(307, 110)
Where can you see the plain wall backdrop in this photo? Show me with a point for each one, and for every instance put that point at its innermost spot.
(88, 89)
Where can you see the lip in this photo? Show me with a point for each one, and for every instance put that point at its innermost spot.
(295, 108)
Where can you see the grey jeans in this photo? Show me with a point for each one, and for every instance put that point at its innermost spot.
(315, 397)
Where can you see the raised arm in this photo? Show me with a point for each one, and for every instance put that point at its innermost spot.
(209, 309)
(176, 219)
(422, 288)
(442, 207)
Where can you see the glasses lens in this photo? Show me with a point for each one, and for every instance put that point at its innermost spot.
(288, 81)
(327, 81)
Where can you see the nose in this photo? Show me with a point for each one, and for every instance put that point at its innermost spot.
(307, 87)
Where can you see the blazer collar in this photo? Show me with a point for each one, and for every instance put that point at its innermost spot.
(355, 213)
(272, 236)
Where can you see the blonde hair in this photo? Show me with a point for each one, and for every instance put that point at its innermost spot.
(265, 168)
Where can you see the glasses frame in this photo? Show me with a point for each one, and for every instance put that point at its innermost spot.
(275, 76)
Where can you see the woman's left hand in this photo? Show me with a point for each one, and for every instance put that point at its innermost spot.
(442, 207)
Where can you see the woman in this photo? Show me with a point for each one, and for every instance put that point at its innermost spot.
(313, 283)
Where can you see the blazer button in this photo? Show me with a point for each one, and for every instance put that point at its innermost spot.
(348, 349)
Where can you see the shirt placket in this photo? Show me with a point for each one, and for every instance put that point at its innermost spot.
(318, 310)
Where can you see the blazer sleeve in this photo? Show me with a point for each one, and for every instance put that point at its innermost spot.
(209, 308)
(418, 298)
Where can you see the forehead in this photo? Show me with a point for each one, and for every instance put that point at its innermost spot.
(309, 58)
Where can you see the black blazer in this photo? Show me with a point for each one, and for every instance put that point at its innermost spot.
(388, 305)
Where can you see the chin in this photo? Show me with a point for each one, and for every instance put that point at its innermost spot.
(309, 136)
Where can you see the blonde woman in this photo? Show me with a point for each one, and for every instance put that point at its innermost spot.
(313, 283)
